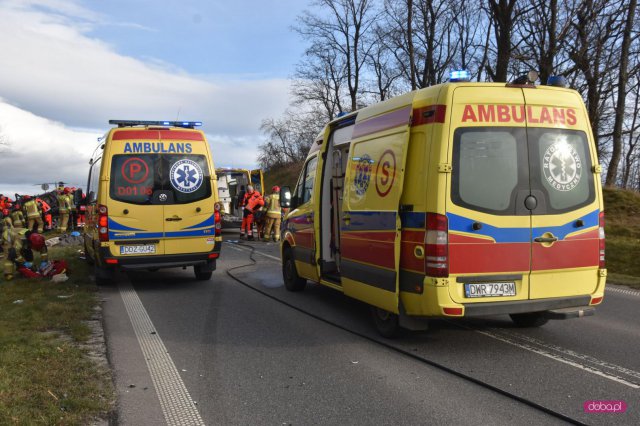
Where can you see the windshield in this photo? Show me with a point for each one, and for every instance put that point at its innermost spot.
(494, 166)
(159, 178)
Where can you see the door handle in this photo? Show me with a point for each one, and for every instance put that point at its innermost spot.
(546, 239)
(309, 217)
(173, 219)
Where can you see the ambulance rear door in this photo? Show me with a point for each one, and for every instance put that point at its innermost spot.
(565, 218)
(187, 194)
(257, 180)
(135, 223)
(370, 229)
(489, 224)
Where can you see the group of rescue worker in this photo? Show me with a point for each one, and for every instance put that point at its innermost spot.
(265, 212)
(23, 222)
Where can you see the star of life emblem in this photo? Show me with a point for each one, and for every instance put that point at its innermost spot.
(363, 174)
(186, 176)
(562, 166)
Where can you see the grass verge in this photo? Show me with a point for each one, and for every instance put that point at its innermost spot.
(45, 374)
(622, 227)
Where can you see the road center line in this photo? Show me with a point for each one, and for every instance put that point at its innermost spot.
(544, 353)
(177, 406)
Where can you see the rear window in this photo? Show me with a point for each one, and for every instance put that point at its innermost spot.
(495, 168)
(159, 178)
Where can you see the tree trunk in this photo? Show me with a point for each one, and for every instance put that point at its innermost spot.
(623, 76)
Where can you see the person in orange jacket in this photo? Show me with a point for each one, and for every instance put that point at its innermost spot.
(46, 213)
(251, 203)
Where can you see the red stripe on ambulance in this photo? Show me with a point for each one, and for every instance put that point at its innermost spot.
(488, 258)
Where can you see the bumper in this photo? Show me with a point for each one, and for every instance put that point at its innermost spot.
(207, 261)
(523, 306)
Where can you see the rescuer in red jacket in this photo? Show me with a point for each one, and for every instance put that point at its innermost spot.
(251, 203)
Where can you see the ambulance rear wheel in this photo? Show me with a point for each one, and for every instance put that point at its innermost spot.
(200, 274)
(104, 276)
(529, 319)
(87, 255)
(292, 280)
(387, 323)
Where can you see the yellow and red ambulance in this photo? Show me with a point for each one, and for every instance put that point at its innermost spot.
(152, 200)
(461, 199)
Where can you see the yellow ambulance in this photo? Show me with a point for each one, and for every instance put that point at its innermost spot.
(152, 200)
(461, 199)
(232, 182)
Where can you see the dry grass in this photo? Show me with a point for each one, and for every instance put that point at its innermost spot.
(45, 377)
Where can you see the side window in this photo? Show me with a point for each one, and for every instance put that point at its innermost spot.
(305, 184)
(94, 181)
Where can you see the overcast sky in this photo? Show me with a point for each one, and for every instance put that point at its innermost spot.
(71, 65)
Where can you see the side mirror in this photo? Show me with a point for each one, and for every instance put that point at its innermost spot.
(285, 197)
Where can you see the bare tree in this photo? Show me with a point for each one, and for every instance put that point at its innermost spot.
(623, 77)
(345, 31)
(504, 15)
(319, 81)
(289, 138)
(594, 54)
(543, 31)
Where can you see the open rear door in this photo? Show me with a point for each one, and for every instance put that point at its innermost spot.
(257, 180)
(370, 229)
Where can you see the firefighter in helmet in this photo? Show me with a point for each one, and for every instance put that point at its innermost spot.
(63, 210)
(251, 203)
(21, 244)
(34, 215)
(274, 215)
(5, 227)
(17, 217)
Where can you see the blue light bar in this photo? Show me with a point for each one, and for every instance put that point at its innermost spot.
(459, 75)
(557, 80)
(130, 123)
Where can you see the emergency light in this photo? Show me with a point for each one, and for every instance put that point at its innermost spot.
(459, 75)
(557, 80)
(128, 123)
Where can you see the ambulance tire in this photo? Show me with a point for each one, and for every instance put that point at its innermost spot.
(292, 281)
(200, 274)
(529, 319)
(87, 256)
(386, 323)
(104, 276)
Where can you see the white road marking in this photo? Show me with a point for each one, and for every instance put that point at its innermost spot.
(238, 247)
(177, 406)
(586, 358)
(622, 290)
(558, 358)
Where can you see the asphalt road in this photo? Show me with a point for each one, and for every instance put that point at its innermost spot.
(244, 357)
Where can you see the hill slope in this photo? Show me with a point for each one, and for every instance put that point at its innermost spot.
(622, 228)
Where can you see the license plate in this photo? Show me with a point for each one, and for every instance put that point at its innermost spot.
(490, 289)
(140, 249)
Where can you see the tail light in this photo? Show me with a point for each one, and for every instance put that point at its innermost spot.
(217, 219)
(601, 238)
(437, 246)
(103, 223)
